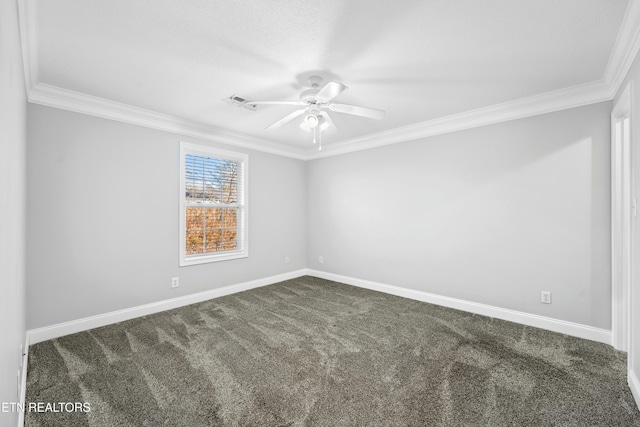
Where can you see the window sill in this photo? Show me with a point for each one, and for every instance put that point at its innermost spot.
(204, 259)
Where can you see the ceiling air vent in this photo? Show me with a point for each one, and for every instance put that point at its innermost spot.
(240, 102)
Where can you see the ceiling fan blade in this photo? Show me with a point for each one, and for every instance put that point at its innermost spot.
(370, 113)
(330, 127)
(330, 91)
(287, 119)
(276, 103)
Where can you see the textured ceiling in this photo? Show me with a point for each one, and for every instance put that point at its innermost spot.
(418, 60)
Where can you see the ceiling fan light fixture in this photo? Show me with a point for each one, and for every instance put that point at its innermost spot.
(311, 120)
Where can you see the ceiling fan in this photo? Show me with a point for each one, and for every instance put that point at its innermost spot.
(315, 102)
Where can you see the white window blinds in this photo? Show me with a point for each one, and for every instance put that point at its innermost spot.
(213, 210)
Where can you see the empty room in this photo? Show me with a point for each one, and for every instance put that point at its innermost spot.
(336, 213)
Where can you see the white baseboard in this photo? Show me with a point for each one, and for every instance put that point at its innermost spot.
(634, 385)
(555, 325)
(23, 378)
(74, 326)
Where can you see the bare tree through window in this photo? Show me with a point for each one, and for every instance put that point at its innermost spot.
(212, 210)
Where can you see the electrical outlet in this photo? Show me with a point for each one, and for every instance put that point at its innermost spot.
(286, 260)
(545, 297)
(175, 282)
(321, 260)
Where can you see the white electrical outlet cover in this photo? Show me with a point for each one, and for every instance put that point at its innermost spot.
(545, 297)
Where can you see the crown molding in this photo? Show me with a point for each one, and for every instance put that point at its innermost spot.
(65, 99)
(625, 48)
(563, 99)
(623, 54)
(28, 40)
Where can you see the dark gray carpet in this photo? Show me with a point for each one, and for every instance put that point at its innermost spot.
(314, 352)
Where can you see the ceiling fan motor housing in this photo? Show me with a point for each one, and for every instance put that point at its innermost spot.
(308, 95)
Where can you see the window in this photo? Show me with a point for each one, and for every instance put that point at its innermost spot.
(213, 210)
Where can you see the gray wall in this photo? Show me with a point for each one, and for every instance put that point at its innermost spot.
(491, 215)
(633, 76)
(102, 218)
(12, 205)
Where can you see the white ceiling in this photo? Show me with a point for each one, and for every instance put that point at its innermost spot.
(419, 60)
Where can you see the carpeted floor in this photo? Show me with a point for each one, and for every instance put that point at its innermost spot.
(318, 353)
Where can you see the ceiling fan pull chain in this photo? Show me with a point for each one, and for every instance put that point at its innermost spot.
(319, 139)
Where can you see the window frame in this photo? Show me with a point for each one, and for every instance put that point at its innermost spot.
(243, 198)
